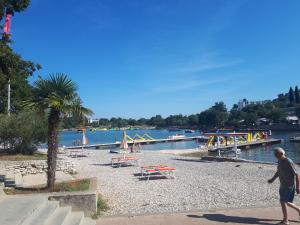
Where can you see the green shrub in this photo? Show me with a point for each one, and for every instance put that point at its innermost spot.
(102, 206)
(21, 133)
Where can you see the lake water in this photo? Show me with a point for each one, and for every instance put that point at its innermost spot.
(259, 154)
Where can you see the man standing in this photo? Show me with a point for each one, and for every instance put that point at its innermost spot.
(287, 174)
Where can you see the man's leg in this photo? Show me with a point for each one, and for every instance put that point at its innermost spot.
(293, 206)
(284, 212)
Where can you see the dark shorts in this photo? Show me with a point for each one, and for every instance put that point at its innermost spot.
(287, 194)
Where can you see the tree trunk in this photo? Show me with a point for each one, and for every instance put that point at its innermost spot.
(53, 126)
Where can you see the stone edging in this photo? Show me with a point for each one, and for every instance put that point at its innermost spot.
(85, 201)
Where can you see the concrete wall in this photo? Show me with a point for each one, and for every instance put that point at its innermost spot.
(86, 202)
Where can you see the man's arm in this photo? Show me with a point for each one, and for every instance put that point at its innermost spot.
(297, 183)
(273, 178)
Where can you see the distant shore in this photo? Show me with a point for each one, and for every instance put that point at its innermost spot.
(273, 127)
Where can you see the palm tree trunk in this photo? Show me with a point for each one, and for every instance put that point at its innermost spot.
(53, 125)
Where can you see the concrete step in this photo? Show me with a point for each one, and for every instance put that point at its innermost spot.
(9, 182)
(43, 214)
(59, 216)
(88, 221)
(2, 194)
(37, 210)
(74, 218)
(15, 210)
(2, 177)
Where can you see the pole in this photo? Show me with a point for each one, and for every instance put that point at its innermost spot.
(8, 97)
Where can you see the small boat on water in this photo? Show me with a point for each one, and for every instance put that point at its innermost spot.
(177, 136)
(295, 139)
(81, 129)
(189, 131)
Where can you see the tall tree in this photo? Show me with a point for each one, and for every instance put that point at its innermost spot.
(297, 95)
(56, 96)
(12, 66)
(12, 6)
(291, 96)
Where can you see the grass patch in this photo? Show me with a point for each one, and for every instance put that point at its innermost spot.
(69, 186)
(76, 185)
(102, 206)
(20, 157)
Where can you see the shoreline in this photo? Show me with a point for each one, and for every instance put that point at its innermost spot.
(181, 151)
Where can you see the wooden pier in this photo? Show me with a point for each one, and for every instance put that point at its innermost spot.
(246, 145)
(142, 142)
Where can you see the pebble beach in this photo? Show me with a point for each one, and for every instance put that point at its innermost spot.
(198, 185)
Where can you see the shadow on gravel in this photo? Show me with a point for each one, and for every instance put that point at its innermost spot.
(137, 174)
(153, 178)
(109, 164)
(192, 160)
(235, 219)
(100, 164)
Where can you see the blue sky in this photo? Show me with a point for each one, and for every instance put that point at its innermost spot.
(139, 58)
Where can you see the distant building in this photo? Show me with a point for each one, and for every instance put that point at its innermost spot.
(93, 120)
(242, 104)
(292, 119)
(260, 102)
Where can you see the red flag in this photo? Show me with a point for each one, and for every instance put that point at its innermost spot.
(6, 26)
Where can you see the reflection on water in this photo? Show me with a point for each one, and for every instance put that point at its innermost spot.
(259, 154)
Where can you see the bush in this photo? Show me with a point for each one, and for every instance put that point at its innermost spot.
(102, 206)
(21, 133)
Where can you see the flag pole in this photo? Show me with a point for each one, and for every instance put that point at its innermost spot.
(6, 30)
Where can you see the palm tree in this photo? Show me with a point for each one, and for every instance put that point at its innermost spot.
(56, 96)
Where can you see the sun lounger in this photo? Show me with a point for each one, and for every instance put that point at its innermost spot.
(123, 161)
(144, 168)
(157, 171)
(75, 153)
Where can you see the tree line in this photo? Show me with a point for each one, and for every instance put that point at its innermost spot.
(217, 116)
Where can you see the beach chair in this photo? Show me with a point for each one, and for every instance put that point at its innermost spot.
(75, 153)
(124, 161)
(148, 167)
(157, 171)
(85, 152)
(62, 150)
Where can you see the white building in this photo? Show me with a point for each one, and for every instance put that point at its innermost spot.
(292, 119)
(93, 120)
(242, 104)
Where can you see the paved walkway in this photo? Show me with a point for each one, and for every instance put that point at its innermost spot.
(264, 216)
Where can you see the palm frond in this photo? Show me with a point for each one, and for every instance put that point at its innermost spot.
(57, 92)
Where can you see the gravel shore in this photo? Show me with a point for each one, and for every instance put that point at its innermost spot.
(198, 185)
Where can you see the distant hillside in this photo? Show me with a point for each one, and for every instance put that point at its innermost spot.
(282, 110)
